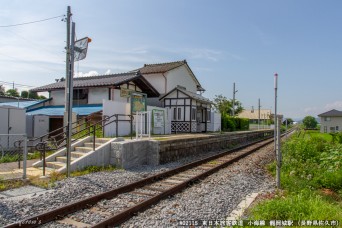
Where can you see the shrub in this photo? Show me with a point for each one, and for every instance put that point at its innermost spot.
(229, 123)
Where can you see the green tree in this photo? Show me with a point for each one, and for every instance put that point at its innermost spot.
(289, 121)
(24, 94)
(33, 95)
(12, 92)
(310, 122)
(41, 97)
(225, 106)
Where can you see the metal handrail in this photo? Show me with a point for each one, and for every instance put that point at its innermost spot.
(43, 145)
(17, 144)
(60, 129)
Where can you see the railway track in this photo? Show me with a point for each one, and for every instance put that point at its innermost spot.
(114, 207)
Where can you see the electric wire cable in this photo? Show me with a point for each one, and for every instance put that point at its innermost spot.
(31, 22)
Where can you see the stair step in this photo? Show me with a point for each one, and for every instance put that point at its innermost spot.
(63, 159)
(55, 165)
(83, 149)
(102, 140)
(90, 144)
(76, 154)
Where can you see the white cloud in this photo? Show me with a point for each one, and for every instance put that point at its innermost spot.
(195, 53)
(311, 109)
(88, 74)
(335, 105)
(318, 110)
(203, 53)
(107, 72)
(266, 39)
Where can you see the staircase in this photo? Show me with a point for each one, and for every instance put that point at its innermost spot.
(82, 155)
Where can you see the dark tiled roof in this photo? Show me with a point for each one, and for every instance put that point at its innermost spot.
(160, 67)
(165, 67)
(105, 81)
(331, 113)
(192, 95)
(93, 81)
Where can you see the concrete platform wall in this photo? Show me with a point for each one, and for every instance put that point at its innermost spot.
(172, 150)
(129, 154)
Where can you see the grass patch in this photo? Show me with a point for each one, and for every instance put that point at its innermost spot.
(161, 138)
(14, 158)
(9, 184)
(311, 178)
(213, 162)
(51, 180)
(93, 169)
(304, 205)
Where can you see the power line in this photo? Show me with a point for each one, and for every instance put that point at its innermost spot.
(31, 22)
(16, 84)
(34, 45)
(26, 62)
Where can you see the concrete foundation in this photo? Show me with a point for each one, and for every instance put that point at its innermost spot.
(128, 154)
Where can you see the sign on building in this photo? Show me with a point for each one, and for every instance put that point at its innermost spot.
(158, 118)
(125, 92)
(138, 102)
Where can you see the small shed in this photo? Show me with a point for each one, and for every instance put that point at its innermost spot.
(12, 121)
(190, 111)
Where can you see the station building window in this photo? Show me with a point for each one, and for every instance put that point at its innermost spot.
(193, 114)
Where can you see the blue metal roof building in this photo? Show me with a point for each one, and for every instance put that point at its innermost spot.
(24, 104)
(82, 110)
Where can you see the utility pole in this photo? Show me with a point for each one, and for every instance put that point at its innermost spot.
(277, 132)
(233, 105)
(259, 114)
(67, 92)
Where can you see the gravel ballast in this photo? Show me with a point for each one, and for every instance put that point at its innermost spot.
(215, 197)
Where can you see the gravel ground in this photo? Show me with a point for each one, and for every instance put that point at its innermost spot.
(73, 189)
(213, 198)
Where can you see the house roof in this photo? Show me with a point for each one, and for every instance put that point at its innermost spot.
(15, 98)
(24, 104)
(192, 95)
(104, 81)
(331, 113)
(82, 110)
(161, 67)
(254, 114)
(165, 67)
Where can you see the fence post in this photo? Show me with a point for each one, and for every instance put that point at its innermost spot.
(131, 117)
(103, 129)
(19, 153)
(40, 154)
(44, 163)
(94, 136)
(116, 125)
(25, 157)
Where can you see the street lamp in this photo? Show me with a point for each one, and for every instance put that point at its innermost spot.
(234, 92)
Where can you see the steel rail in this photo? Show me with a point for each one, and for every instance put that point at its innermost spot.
(126, 214)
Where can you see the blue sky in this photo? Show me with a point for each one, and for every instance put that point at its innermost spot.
(242, 41)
